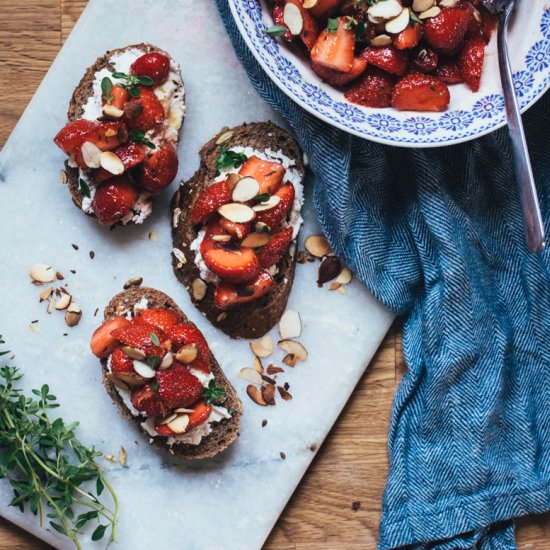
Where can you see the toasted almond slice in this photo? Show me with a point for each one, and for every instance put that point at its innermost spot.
(42, 273)
(133, 353)
(245, 190)
(290, 325)
(144, 370)
(284, 394)
(375, 20)
(334, 285)
(117, 381)
(236, 212)
(477, 16)
(34, 328)
(167, 361)
(63, 302)
(293, 18)
(179, 424)
(224, 137)
(448, 3)
(262, 347)
(129, 380)
(345, 277)
(268, 393)
(46, 293)
(175, 217)
(199, 289)
(387, 9)
(183, 410)
(187, 353)
(274, 200)
(342, 290)
(428, 14)
(381, 40)
(169, 418)
(221, 238)
(308, 4)
(91, 154)
(290, 359)
(295, 348)
(254, 240)
(317, 246)
(258, 367)
(122, 456)
(63, 177)
(110, 162)
(134, 281)
(73, 315)
(179, 255)
(152, 236)
(112, 111)
(399, 23)
(50, 306)
(273, 369)
(423, 5)
(221, 317)
(255, 394)
(251, 375)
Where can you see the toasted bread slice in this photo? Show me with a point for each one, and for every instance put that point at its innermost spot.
(253, 319)
(85, 90)
(224, 432)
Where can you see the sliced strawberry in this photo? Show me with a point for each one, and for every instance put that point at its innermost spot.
(201, 413)
(155, 65)
(160, 169)
(144, 112)
(209, 200)
(335, 50)
(131, 154)
(310, 27)
(387, 58)
(148, 401)
(119, 96)
(73, 135)
(231, 262)
(268, 174)
(177, 387)
(123, 368)
(424, 60)
(160, 318)
(105, 135)
(373, 89)
(470, 62)
(114, 199)
(445, 32)
(337, 78)
(274, 216)
(103, 343)
(140, 336)
(449, 73)
(420, 92)
(228, 295)
(238, 230)
(408, 38)
(276, 248)
(187, 333)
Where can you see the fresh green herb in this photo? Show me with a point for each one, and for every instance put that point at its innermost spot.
(137, 136)
(154, 384)
(107, 88)
(83, 188)
(276, 30)
(154, 339)
(48, 468)
(133, 82)
(332, 25)
(154, 361)
(229, 159)
(414, 19)
(262, 197)
(212, 393)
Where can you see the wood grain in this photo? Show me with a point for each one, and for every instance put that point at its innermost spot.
(351, 466)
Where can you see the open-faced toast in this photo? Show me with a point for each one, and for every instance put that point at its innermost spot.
(200, 404)
(228, 156)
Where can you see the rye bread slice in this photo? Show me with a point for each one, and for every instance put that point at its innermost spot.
(80, 96)
(254, 319)
(224, 432)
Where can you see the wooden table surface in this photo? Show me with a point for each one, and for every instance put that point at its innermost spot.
(352, 464)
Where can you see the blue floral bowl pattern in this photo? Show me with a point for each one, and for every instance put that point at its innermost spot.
(469, 115)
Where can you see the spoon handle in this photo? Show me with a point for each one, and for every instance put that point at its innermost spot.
(532, 219)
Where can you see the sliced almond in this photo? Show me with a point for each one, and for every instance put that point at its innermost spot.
(236, 212)
(198, 286)
(262, 347)
(144, 370)
(293, 19)
(224, 137)
(268, 394)
(477, 16)
(295, 348)
(34, 328)
(345, 276)
(127, 379)
(334, 285)
(317, 246)
(422, 5)
(63, 302)
(381, 40)
(112, 111)
(187, 353)
(167, 361)
(42, 273)
(122, 456)
(179, 255)
(255, 240)
(91, 154)
(290, 325)
(134, 281)
(134, 353)
(386, 9)
(428, 14)
(284, 394)
(183, 410)
(110, 162)
(255, 394)
(152, 236)
(117, 381)
(221, 317)
(179, 424)
(258, 367)
(290, 360)
(399, 23)
(50, 306)
(46, 293)
(73, 315)
(221, 238)
(245, 190)
(274, 200)
(168, 419)
(63, 177)
(273, 369)
(251, 375)
(449, 3)
(175, 217)
(308, 4)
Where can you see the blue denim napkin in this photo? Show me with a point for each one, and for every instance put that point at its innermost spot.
(436, 235)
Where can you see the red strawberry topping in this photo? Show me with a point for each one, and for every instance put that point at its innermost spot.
(154, 65)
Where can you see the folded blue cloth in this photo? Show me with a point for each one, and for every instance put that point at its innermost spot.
(437, 236)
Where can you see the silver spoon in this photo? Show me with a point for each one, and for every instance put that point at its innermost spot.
(532, 219)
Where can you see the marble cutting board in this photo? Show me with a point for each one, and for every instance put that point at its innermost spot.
(231, 501)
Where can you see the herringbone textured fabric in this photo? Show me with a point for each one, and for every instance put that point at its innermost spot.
(437, 236)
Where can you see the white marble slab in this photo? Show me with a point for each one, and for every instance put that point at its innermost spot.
(232, 501)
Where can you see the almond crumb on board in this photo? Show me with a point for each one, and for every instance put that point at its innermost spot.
(264, 423)
(283, 455)
(355, 505)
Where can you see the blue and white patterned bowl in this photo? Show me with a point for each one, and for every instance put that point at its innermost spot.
(469, 115)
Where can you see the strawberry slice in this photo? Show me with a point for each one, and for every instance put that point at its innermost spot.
(105, 135)
(228, 295)
(420, 92)
(268, 174)
(424, 60)
(160, 169)
(177, 387)
(141, 336)
(209, 200)
(144, 112)
(449, 73)
(335, 50)
(131, 154)
(470, 62)
(275, 249)
(274, 216)
(373, 89)
(408, 38)
(310, 28)
(155, 65)
(445, 32)
(200, 414)
(160, 318)
(337, 78)
(119, 97)
(387, 58)
(103, 343)
(231, 262)
(238, 230)
(187, 333)
(114, 199)
(148, 401)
